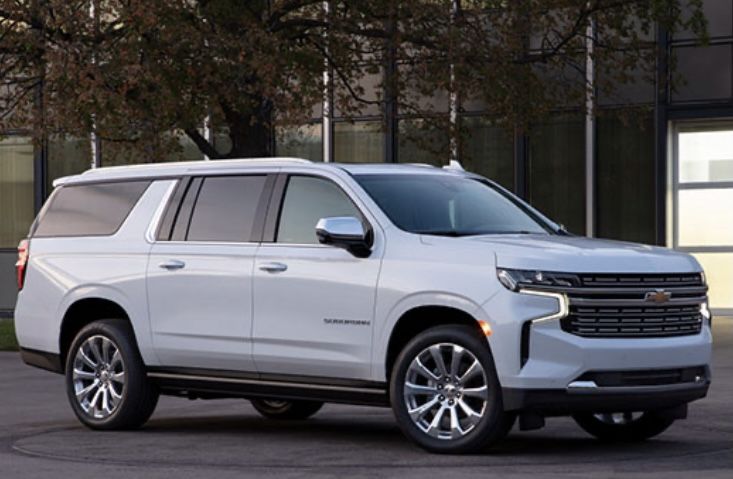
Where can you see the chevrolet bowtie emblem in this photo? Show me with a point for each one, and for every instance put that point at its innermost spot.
(658, 296)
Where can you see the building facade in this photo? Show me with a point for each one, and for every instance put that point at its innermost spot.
(665, 178)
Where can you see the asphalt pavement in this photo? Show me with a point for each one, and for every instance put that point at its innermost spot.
(39, 438)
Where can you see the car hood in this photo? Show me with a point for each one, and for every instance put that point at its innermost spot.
(583, 255)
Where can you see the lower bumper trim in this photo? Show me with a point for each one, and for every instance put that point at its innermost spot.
(560, 402)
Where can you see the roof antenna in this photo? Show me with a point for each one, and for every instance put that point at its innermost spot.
(454, 165)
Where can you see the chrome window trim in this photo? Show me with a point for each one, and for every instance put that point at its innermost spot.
(158, 215)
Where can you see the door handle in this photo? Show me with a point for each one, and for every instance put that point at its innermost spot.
(273, 267)
(172, 264)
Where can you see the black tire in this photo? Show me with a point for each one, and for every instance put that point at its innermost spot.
(138, 396)
(286, 409)
(494, 423)
(636, 429)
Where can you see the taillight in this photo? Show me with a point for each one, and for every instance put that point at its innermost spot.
(22, 262)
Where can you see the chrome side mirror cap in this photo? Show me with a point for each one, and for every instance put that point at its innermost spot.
(344, 232)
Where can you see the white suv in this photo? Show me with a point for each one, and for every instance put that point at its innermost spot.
(290, 283)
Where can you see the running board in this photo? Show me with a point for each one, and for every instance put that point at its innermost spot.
(209, 385)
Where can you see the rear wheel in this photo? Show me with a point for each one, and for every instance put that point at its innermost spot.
(286, 409)
(445, 393)
(106, 381)
(623, 426)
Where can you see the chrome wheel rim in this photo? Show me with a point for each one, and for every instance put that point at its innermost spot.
(98, 376)
(275, 403)
(446, 391)
(620, 418)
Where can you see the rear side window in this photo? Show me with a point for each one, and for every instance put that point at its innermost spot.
(90, 210)
(226, 208)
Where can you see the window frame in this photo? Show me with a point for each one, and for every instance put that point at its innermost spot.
(184, 200)
(277, 201)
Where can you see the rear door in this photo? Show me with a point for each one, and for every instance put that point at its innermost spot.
(200, 272)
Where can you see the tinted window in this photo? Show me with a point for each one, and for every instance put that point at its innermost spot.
(448, 205)
(226, 208)
(308, 199)
(90, 210)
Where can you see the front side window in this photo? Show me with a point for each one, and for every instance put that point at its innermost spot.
(448, 205)
(226, 208)
(307, 200)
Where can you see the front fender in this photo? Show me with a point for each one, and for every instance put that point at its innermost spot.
(384, 330)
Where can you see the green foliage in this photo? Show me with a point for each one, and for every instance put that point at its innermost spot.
(137, 70)
(7, 336)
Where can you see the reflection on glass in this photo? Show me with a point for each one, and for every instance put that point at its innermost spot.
(301, 142)
(358, 142)
(706, 155)
(16, 189)
(705, 217)
(719, 274)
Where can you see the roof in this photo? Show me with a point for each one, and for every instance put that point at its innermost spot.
(200, 167)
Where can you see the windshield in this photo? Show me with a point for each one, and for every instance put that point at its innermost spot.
(449, 205)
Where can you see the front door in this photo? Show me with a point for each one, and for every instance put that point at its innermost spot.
(200, 279)
(313, 304)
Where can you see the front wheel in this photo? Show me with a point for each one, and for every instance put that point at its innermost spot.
(285, 409)
(623, 426)
(445, 392)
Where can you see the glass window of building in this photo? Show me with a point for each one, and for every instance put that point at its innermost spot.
(625, 169)
(358, 142)
(702, 217)
(717, 60)
(175, 146)
(300, 142)
(67, 156)
(422, 142)
(718, 13)
(488, 150)
(16, 189)
(557, 170)
(706, 155)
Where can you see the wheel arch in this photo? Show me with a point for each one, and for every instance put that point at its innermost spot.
(83, 312)
(420, 318)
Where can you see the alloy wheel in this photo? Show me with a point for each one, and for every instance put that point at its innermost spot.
(98, 377)
(446, 391)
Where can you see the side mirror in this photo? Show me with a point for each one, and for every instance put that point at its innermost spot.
(344, 232)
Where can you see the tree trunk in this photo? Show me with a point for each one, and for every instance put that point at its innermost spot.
(251, 133)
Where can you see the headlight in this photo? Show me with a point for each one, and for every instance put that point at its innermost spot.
(516, 279)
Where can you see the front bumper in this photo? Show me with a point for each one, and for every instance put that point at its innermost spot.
(539, 364)
(599, 399)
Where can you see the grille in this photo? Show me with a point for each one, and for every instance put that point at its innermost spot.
(617, 306)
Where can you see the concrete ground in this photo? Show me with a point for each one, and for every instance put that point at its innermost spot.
(39, 437)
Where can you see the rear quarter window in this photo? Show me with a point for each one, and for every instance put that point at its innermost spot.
(89, 210)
